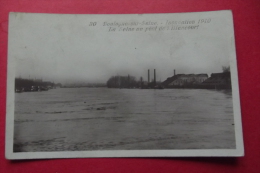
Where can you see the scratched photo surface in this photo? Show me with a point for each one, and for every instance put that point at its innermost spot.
(130, 82)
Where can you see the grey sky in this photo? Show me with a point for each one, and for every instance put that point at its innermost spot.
(65, 49)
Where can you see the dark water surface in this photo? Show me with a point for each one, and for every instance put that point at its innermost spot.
(74, 119)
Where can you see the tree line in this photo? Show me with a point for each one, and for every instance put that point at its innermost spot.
(122, 82)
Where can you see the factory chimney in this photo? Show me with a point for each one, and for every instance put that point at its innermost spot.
(174, 72)
(148, 76)
(141, 79)
(154, 77)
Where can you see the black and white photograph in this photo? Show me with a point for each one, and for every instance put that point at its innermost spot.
(132, 85)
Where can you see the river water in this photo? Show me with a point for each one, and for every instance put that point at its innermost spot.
(77, 119)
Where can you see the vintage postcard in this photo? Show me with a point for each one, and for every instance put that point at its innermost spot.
(132, 85)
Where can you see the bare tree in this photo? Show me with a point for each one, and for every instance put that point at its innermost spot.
(225, 69)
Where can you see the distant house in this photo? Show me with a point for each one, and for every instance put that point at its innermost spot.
(185, 79)
(219, 79)
(169, 80)
(199, 78)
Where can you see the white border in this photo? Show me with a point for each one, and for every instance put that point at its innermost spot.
(239, 151)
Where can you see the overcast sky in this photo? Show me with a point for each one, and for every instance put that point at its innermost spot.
(66, 49)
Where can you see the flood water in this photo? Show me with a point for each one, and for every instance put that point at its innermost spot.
(76, 119)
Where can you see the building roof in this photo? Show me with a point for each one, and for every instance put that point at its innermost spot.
(202, 75)
(173, 78)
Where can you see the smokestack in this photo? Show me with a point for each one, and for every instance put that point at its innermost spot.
(174, 72)
(148, 76)
(141, 79)
(154, 77)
